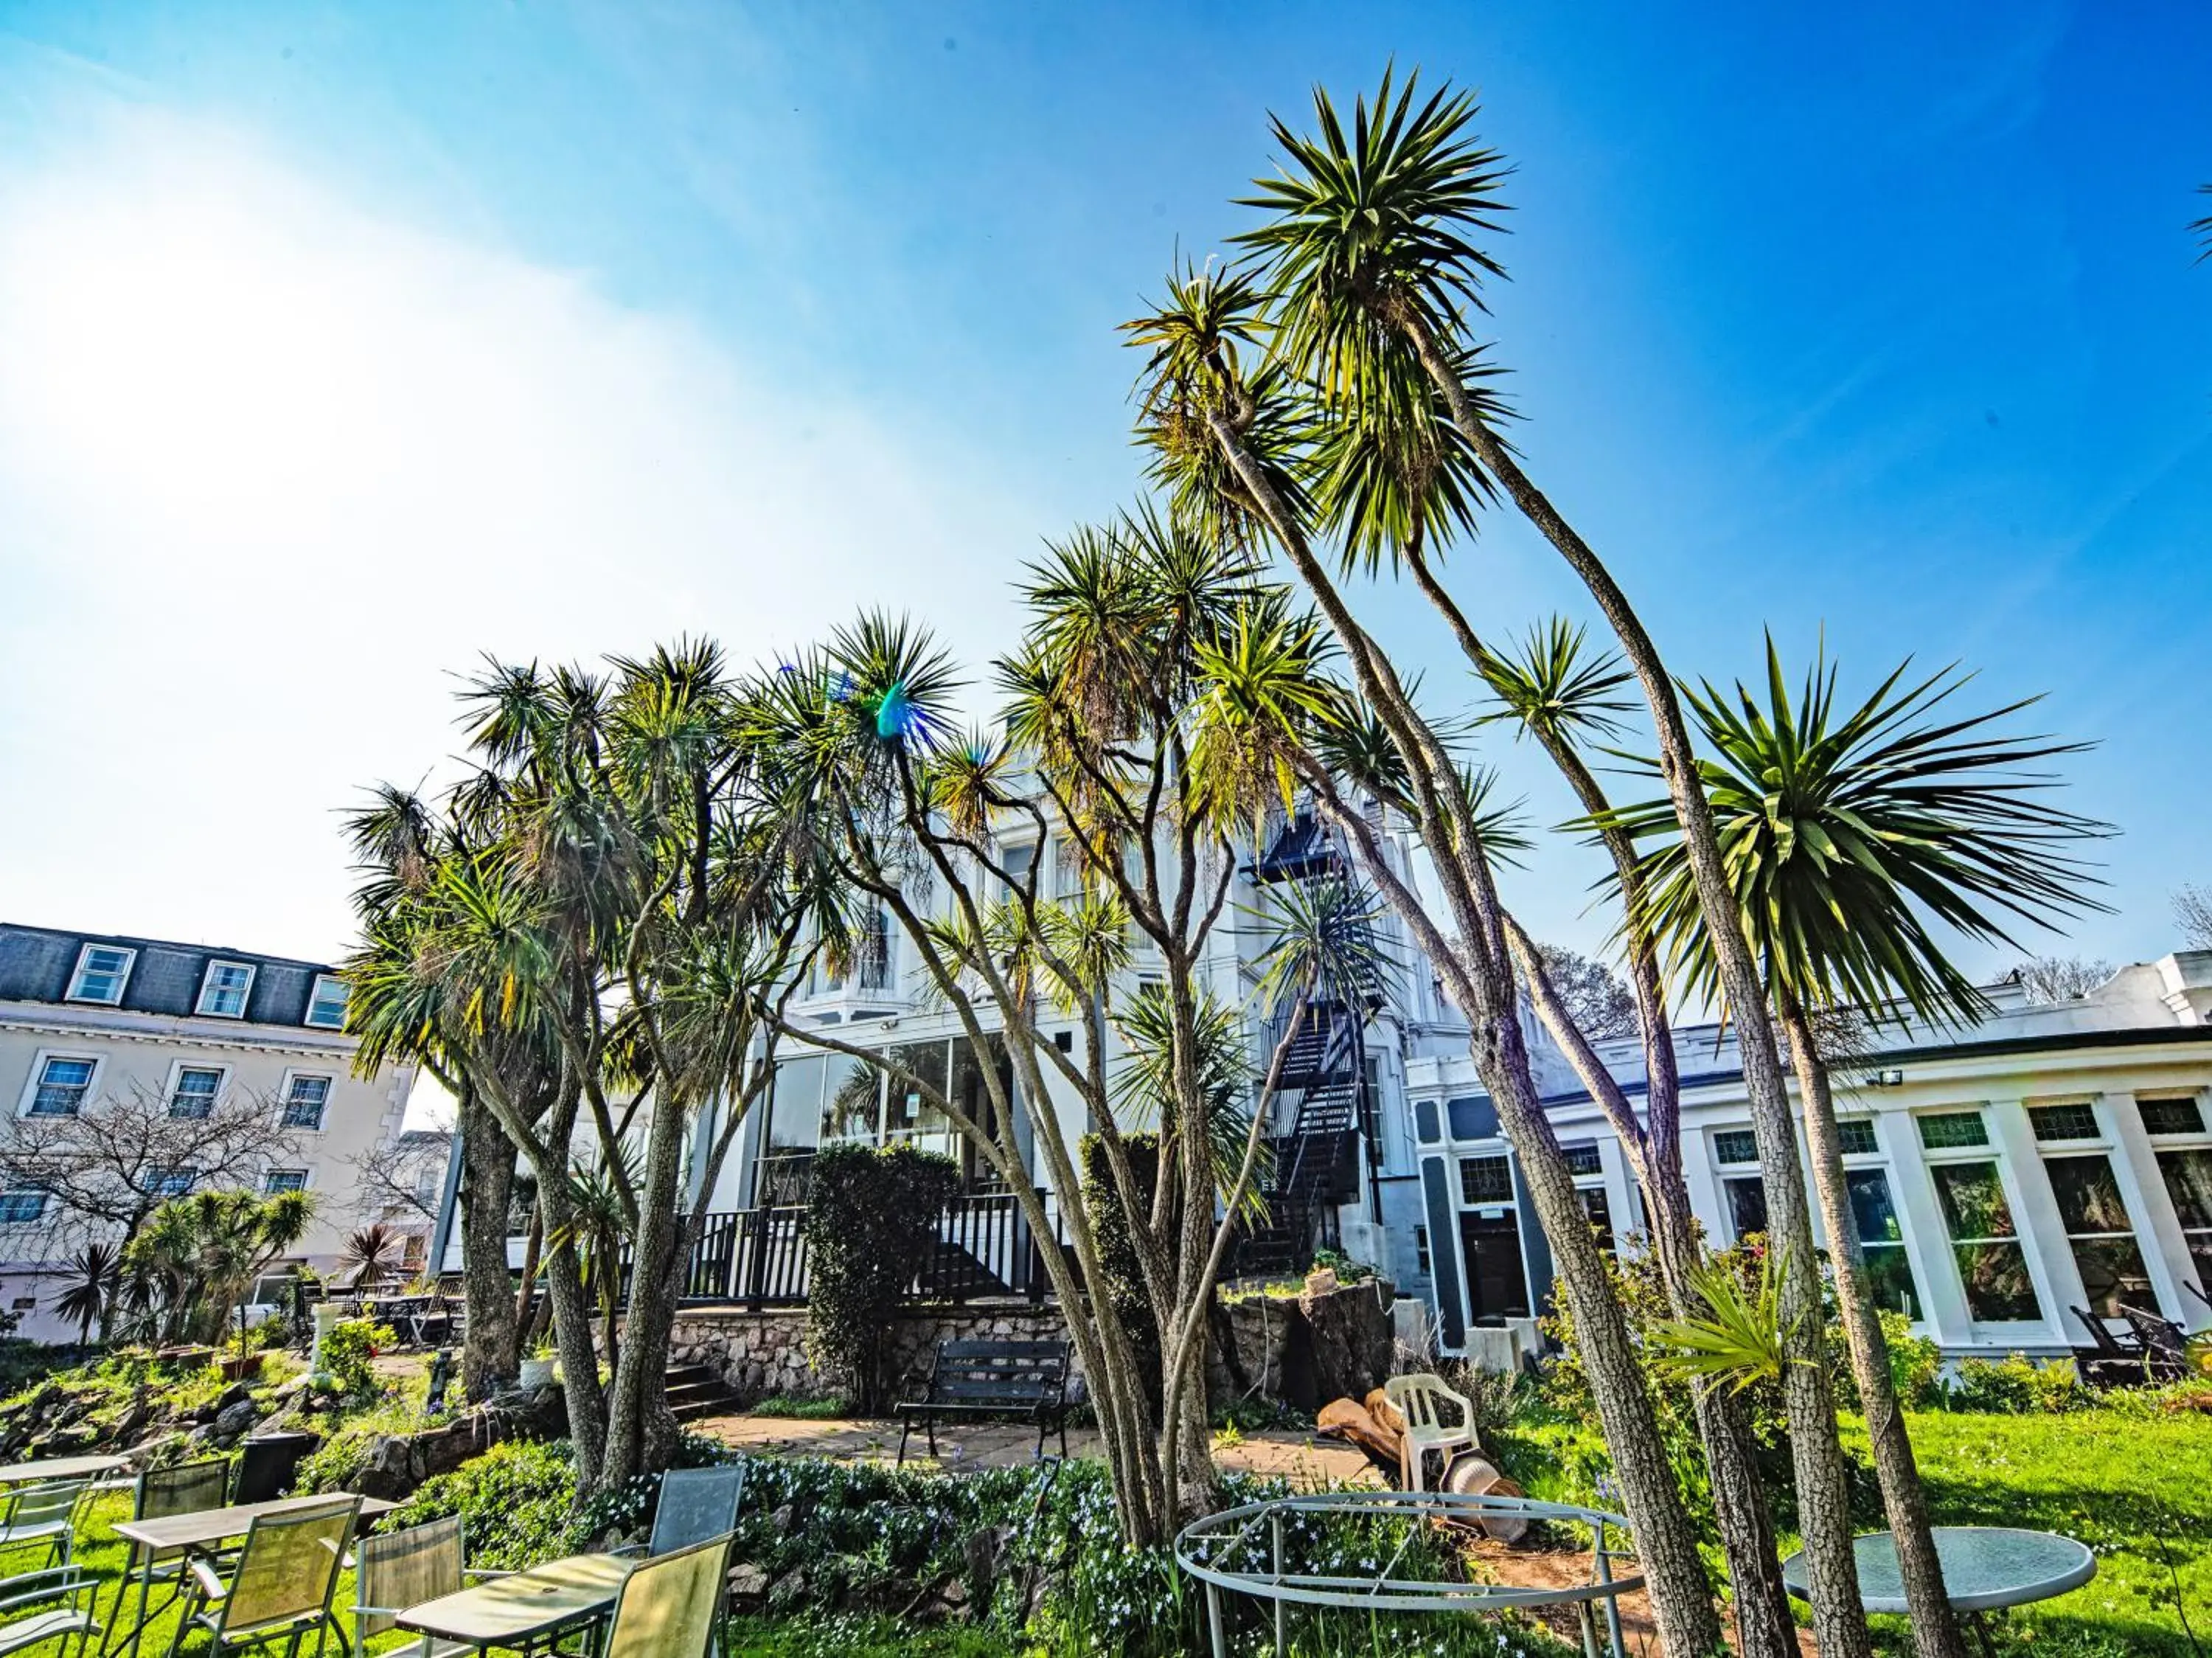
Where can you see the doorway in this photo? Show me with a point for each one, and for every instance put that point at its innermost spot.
(1497, 1281)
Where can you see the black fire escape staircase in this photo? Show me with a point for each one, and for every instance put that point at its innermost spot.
(1321, 1094)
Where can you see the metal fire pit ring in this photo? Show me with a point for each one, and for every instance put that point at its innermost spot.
(1203, 1543)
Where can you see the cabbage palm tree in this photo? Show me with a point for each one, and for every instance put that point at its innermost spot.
(1372, 257)
(89, 1294)
(1230, 457)
(1853, 838)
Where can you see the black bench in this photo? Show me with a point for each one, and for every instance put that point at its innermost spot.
(1024, 1380)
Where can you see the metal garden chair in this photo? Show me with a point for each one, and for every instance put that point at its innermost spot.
(1417, 1397)
(70, 1584)
(187, 1488)
(394, 1570)
(2165, 1347)
(696, 1504)
(282, 1586)
(670, 1604)
(42, 1515)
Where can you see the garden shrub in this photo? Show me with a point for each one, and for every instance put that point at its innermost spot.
(871, 1216)
(2014, 1386)
(348, 1347)
(513, 1501)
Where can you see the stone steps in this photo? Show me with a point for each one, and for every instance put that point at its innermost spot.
(695, 1391)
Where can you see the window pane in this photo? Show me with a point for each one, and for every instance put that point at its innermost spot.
(196, 1092)
(795, 1107)
(1871, 1208)
(2188, 1183)
(1953, 1128)
(1600, 1213)
(1746, 1206)
(1485, 1180)
(1735, 1145)
(2112, 1275)
(2088, 1195)
(328, 1006)
(1856, 1135)
(2181, 1116)
(852, 1109)
(1889, 1279)
(1998, 1287)
(100, 974)
(2075, 1122)
(1973, 1200)
(909, 1110)
(16, 1207)
(1582, 1159)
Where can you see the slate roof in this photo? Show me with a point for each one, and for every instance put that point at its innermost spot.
(36, 964)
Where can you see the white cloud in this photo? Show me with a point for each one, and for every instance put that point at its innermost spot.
(272, 465)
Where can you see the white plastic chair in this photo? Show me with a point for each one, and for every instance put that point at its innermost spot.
(1416, 1398)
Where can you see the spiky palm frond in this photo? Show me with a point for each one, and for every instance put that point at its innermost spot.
(1193, 374)
(1392, 476)
(1321, 944)
(1743, 1334)
(1853, 838)
(1552, 688)
(2202, 228)
(1262, 693)
(91, 1284)
(1144, 1083)
(1372, 224)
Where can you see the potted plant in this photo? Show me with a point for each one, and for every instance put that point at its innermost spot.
(538, 1364)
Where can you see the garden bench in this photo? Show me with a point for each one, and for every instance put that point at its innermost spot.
(1027, 1379)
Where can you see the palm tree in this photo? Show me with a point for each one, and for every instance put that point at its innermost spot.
(2202, 228)
(88, 1295)
(369, 1253)
(1231, 455)
(1554, 690)
(1370, 257)
(1852, 835)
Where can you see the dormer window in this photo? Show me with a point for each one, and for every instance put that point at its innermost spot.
(327, 1004)
(223, 991)
(102, 971)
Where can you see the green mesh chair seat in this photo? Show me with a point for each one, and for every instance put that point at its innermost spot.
(670, 1606)
(394, 1570)
(282, 1585)
(68, 1593)
(695, 1505)
(42, 1516)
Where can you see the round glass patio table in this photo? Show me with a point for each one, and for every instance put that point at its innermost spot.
(1984, 1567)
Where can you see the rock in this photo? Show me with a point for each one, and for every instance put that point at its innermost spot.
(748, 1581)
(234, 1418)
(790, 1590)
(1352, 1341)
(1261, 1346)
(231, 1395)
(782, 1519)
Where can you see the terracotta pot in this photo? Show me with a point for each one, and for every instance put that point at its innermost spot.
(237, 1369)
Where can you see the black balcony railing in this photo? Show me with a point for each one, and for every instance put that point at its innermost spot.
(984, 1248)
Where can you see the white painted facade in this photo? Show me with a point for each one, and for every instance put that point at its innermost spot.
(2052, 1158)
(73, 1039)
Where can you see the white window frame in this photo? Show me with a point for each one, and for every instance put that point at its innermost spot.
(2199, 1139)
(284, 1100)
(177, 1076)
(306, 1179)
(1991, 1151)
(1879, 1160)
(38, 1070)
(42, 1195)
(2101, 1141)
(215, 964)
(314, 995)
(122, 976)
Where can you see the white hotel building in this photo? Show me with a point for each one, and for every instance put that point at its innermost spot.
(90, 1021)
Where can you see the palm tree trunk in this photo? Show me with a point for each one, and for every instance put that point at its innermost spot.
(640, 1392)
(1816, 1448)
(1936, 1632)
(489, 1349)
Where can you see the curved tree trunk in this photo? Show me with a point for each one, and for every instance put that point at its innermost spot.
(488, 1348)
(639, 1398)
(1936, 1632)
(1816, 1448)
(572, 1332)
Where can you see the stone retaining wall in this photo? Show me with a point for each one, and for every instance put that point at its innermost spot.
(757, 1354)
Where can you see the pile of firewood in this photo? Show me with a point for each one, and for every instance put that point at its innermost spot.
(1374, 1426)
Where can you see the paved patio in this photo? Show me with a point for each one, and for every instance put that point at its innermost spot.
(1298, 1457)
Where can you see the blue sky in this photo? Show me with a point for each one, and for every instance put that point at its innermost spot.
(339, 344)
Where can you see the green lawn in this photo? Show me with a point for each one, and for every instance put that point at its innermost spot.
(2136, 1487)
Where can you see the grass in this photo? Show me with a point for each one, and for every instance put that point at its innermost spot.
(2134, 1485)
(878, 1636)
(794, 1409)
